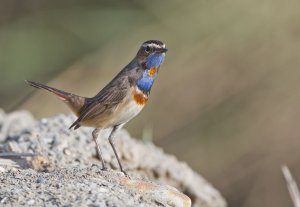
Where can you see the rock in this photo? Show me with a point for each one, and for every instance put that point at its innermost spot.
(2, 169)
(14, 122)
(40, 163)
(165, 195)
(2, 116)
(68, 170)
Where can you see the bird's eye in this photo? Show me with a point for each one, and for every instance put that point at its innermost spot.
(148, 49)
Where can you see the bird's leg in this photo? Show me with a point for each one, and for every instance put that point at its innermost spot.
(95, 136)
(110, 139)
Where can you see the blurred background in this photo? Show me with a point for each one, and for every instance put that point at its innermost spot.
(227, 99)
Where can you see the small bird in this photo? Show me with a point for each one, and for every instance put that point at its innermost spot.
(120, 100)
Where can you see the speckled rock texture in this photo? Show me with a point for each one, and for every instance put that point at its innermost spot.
(42, 163)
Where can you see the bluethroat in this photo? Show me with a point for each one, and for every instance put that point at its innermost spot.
(120, 100)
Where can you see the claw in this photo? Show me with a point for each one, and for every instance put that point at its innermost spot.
(124, 172)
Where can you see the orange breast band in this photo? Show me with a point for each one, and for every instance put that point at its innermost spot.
(139, 97)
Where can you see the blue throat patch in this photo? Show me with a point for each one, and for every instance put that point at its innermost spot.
(153, 61)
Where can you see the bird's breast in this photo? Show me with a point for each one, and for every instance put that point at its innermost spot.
(139, 97)
(130, 107)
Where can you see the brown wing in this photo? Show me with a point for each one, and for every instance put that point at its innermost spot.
(108, 98)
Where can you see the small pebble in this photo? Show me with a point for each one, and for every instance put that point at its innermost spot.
(40, 180)
(2, 170)
(3, 200)
(77, 160)
(44, 121)
(31, 202)
(67, 151)
(103, 190)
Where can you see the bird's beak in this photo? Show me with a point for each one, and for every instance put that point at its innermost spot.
(162, 50)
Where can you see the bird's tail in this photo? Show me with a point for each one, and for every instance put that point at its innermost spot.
(73, 101)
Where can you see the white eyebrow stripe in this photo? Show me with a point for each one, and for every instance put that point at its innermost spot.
(154, 45)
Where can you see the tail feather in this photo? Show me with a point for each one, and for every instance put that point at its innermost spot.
(62, 94)
(73, 101)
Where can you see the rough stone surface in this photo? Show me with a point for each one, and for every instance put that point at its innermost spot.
(65, 171)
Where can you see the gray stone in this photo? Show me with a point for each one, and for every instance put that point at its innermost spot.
(66, 171)
(14, 122)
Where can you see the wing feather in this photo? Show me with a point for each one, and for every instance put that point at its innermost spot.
(108, 98)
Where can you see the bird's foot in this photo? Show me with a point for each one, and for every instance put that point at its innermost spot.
(103, 168)
(124, 172)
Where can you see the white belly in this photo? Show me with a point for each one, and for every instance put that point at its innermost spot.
(122, 113)
(127, 112)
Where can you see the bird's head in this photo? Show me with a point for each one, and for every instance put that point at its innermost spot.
(152, 53)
